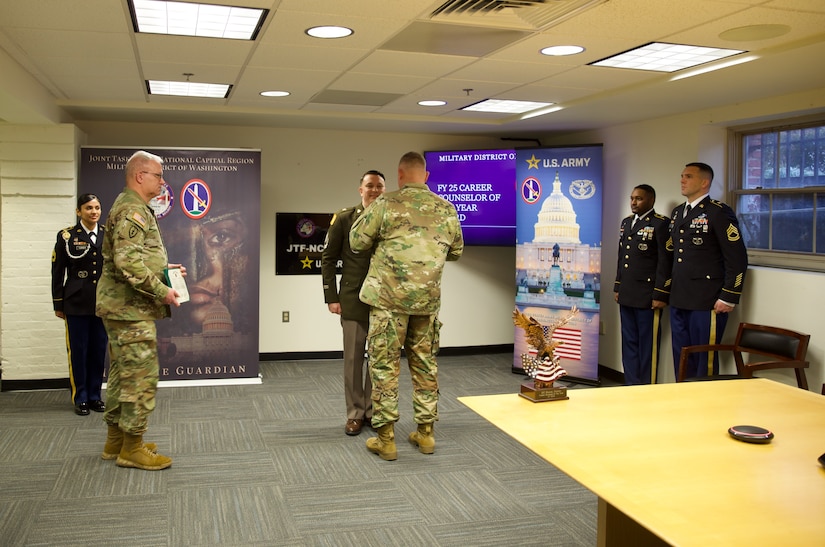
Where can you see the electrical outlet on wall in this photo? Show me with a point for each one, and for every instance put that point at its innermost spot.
(285, 316)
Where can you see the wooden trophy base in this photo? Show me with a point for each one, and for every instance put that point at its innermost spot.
(539, 392)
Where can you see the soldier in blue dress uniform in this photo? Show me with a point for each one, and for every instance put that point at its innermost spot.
(642, 285)
(709, 266)
(76, 266)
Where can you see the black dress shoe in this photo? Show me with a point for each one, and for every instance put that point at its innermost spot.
(81, 409)
(97, 406)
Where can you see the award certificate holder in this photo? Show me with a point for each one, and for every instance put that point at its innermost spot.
(177, 282)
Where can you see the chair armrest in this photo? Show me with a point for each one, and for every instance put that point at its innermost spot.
(765, 365)
(801, 380)
(704, 348)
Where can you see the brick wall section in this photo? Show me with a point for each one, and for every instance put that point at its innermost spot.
(38, 184)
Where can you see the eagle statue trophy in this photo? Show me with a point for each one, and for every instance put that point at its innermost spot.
(544, 368)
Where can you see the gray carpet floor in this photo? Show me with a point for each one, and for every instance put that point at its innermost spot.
(269, 464)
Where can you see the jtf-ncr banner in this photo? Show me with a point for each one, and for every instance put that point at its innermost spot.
(299, 242)
(209, 215)
(558, 251)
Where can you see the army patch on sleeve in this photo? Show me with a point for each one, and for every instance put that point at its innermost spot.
(133, 231)
(733, 233)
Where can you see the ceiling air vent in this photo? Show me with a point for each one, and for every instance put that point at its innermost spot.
(521, 14)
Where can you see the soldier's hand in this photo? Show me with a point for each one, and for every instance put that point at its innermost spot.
(60, 314)
(658, 304)
(171, 297)
(182, 268)
(334, 307)
(721, 307)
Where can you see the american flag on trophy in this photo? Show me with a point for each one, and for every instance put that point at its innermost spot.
(548, 371)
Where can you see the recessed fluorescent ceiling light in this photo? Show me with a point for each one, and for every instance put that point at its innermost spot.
(664, 57)
(504, 106)
(274, 93)
(206, 20)
(188, 89)
(558, 51)
(432, 103)
(329, 32)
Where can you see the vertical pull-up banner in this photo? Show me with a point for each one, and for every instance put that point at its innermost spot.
(209, 215)
(558, 251)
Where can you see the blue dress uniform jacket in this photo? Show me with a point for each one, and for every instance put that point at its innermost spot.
(644, 265)
(76, 267)
(77, 264)
(709, 257)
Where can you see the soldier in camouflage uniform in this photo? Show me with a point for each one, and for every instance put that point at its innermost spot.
(131, 295)
(412, 233)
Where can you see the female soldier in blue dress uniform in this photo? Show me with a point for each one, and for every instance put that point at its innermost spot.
(76, 266)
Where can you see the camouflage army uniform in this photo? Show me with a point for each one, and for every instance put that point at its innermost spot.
(413, 233)
(129, 300)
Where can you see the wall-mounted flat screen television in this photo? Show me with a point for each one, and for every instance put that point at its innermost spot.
(482, 186)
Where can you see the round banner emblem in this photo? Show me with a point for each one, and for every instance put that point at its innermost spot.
(162, 204)
(195, 199)
(530, 190)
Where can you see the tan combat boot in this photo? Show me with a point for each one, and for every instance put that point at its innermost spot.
(134, 453)
(384, 443)
(423, 438)
(114, 442)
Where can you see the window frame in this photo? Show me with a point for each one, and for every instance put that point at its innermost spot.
(791, 260)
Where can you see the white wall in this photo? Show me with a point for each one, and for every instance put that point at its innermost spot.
(38, 166)
(302, 171)
(317, 171)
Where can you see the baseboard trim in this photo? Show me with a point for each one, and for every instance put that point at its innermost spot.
(611, 374)
(321, 355)
(63, 383)
(29, 385)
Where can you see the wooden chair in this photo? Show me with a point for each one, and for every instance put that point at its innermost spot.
(784, 348)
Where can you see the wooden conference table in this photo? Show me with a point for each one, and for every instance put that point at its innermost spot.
(665, 470)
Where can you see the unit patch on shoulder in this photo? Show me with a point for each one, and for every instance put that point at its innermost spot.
(733, 233)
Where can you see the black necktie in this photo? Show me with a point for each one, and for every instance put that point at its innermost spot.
(93, 237)
(635, 220)
(687, 209)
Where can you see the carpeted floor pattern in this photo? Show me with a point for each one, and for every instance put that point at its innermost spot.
(270, 465)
